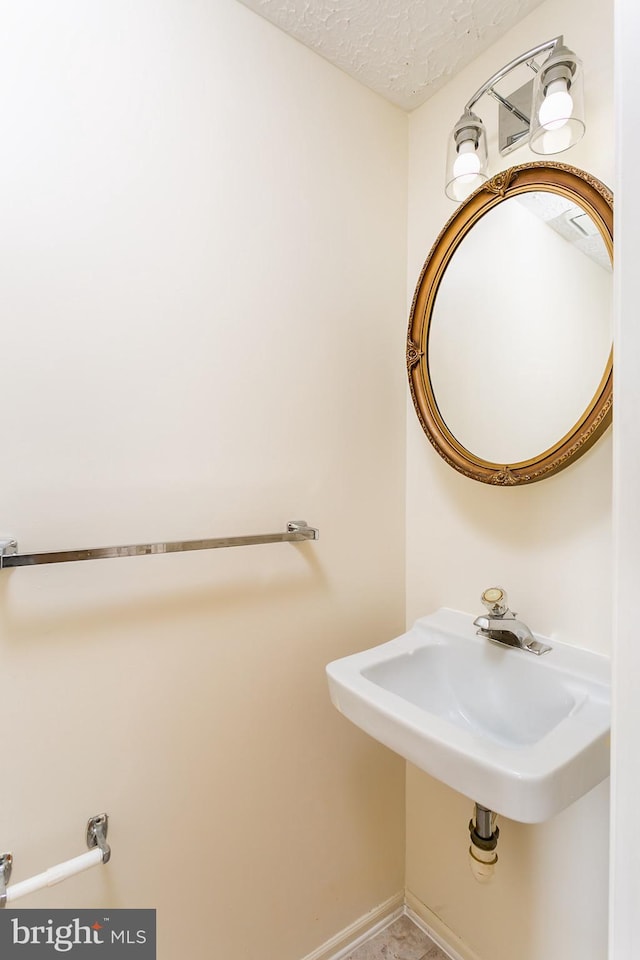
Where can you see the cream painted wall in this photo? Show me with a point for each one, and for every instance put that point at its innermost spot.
(548, 544)
(203, 285)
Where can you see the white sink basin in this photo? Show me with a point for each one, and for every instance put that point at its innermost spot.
(520, 734)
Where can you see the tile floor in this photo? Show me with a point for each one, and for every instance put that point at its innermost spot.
(402, 940)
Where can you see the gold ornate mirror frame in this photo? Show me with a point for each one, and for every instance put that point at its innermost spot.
(597, 201)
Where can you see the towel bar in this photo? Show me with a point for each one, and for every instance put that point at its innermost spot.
(297, 530)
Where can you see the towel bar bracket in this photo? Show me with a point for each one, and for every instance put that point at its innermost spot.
(8, 548)
(299, 526)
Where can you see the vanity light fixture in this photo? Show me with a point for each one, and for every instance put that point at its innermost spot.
(547, 112)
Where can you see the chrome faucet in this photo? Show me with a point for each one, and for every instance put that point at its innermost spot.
(501, 624)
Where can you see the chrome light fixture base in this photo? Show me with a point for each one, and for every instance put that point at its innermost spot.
(512, 129)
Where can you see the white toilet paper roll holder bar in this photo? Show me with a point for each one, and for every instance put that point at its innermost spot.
(99, 852)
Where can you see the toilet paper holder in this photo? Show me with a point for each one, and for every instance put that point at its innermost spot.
(99, 852)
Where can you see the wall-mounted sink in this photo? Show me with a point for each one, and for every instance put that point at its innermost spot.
(522, 735)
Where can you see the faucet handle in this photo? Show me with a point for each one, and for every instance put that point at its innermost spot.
(495, 600)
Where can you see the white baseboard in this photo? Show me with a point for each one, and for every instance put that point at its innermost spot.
(439, 932)
(340, 946)
(402, 904)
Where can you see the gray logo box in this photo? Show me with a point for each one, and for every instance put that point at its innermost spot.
(78, 934)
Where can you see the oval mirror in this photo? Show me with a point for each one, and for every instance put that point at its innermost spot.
(509, 349)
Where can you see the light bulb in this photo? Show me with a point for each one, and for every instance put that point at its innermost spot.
(557, 106)
(467, 164)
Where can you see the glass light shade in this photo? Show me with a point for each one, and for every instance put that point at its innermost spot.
(466, 157)
(557, 110)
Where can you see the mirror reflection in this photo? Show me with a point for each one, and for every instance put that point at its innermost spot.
(521, 328)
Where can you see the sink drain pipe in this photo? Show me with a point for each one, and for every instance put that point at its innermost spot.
(484, 840)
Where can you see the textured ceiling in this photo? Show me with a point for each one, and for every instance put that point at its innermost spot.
(402, 49)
